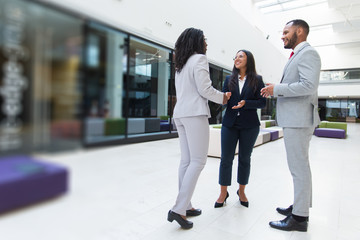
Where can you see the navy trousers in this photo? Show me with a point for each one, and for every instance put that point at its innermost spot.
(229, 138)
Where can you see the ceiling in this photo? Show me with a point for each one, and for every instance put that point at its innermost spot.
(332, 22)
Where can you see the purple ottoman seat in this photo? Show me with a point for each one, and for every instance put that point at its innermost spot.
(274, 134)
(164, 126)
(330, 132)
(24, 180)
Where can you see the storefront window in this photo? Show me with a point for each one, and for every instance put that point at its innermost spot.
(67, 81)
(340, 110)
(353, 106)
(105, 64)
(41, 92)
(148, 89)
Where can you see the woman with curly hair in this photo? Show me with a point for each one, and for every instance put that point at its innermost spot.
(191, 113)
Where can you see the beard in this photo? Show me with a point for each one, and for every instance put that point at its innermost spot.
(291, 42)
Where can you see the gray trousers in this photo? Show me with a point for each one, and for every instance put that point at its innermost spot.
(297, 141)
(194, 145)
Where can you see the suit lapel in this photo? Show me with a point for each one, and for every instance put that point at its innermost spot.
(292, 58)
(243, 90)
(237, 88)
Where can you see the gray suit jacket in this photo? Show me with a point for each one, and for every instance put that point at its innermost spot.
(194, 89)
(297, 99)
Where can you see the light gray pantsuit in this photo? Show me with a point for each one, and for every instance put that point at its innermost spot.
(194, 144)
(193, 90)
(297, 113)
(297, 142)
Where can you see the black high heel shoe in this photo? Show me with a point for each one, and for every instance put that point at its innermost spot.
(218, 205)
(177, 217)
(245, 204)
(193, 212)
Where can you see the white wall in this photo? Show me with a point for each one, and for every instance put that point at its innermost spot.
(322, 36)
(339, 57)
(351, 90)
(163, 21)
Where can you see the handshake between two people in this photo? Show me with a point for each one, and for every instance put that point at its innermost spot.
(226, 98)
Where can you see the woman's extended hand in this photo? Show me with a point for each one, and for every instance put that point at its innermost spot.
(268, 90)
(240, 105)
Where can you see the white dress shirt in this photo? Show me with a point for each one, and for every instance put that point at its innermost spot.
(241, 83)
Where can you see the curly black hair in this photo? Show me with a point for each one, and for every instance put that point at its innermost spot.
(190, 41)
(250, 72)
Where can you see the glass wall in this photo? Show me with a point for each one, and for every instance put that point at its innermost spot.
(340, 75)
(148, 88)
(224, 74)
(105, 70)
(217, 76)
(339, 110)
(127, 86)
(67, 81)
(41, 92)
(269, 111)
(217, 82)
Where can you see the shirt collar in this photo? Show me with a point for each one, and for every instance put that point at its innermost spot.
(296, 49)
(240, 79)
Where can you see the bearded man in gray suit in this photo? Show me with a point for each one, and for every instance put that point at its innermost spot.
(297, 113)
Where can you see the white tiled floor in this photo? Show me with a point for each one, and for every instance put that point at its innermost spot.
(125, 192)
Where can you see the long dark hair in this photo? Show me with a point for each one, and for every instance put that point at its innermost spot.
(189, 42)
(250, 72)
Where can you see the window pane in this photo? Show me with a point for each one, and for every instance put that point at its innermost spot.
(224, 74)
(340, 75)
(215, 109)
(47, 55)
(105, 58)
(148, 86)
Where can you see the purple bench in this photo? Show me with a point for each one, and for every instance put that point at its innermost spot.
(24, 180)
(274, 134)
(164, 126)
(330, 132)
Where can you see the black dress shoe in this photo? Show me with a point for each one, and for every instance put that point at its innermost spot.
(245, 204)
(193, 212)
(218, 205)
(177, 217)
(285, 211)
(289, 224)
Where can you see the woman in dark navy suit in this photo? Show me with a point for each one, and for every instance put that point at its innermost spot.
(240, 124)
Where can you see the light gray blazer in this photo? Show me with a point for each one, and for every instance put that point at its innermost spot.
(194, 89)
(297, 98)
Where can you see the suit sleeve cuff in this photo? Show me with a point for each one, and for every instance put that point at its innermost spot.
(279, 90)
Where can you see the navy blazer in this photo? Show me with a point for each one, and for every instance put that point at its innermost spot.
(253, 100)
